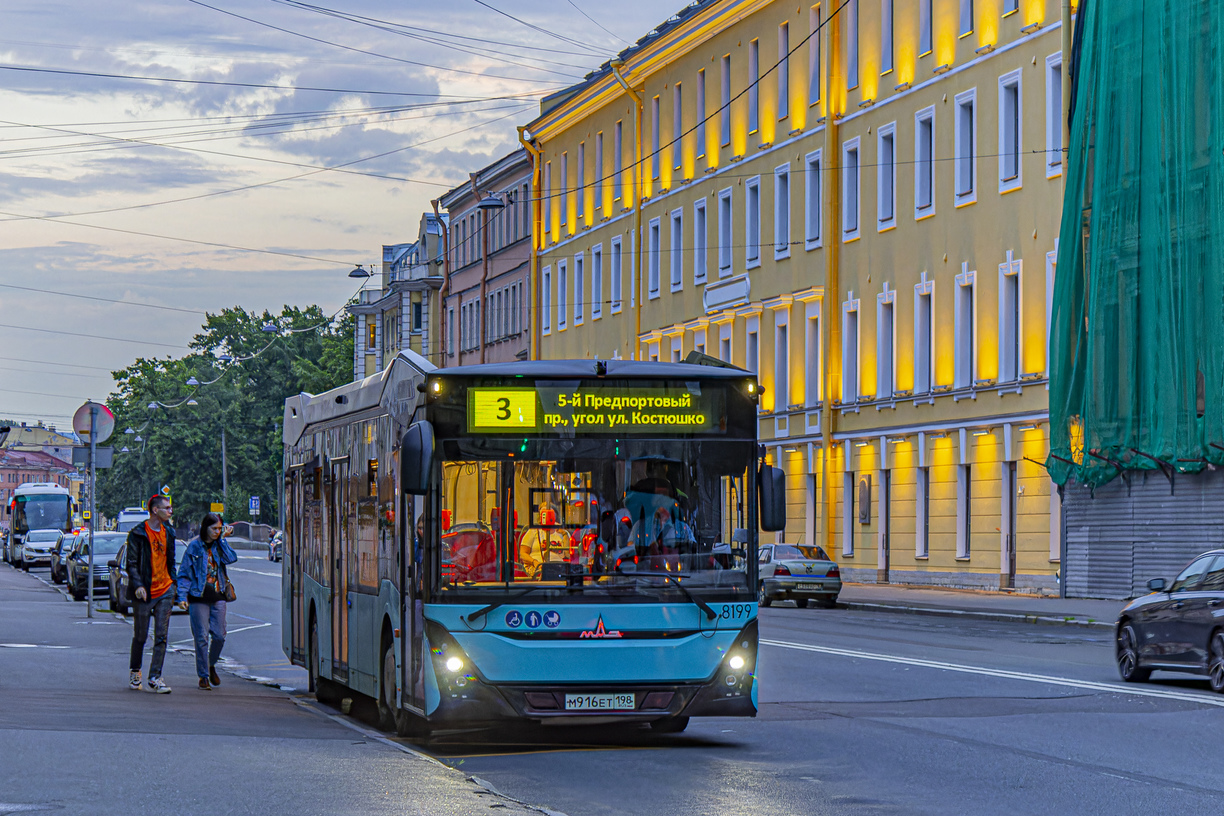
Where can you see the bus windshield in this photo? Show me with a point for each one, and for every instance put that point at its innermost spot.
(48, 511)
(609, 516)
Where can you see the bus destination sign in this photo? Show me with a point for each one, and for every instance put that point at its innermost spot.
(568, 411)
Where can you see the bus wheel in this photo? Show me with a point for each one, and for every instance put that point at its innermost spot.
(386, 690)
(312, 658)
(670, 725)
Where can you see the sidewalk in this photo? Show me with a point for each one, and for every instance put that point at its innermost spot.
(979, 605)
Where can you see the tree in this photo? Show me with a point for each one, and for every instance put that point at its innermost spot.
(242, 399)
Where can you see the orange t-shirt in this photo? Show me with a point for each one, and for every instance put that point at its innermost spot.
(161, 576)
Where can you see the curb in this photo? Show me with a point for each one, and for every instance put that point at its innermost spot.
(1005, 617)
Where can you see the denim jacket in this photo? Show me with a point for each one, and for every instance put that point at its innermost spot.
(193, 571)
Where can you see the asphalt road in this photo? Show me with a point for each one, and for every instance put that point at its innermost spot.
(861, 713)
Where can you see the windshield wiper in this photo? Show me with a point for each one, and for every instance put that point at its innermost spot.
(702, 605)
(481, 612)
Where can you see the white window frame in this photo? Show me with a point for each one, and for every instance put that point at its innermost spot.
(852, 190)
(965, 330)
(546, 297)
(701, 113)
(812, 349)
(886, 177)
(851, 387)
(782, 360)
(654, 138)
(618, 161)
(579, 288)
(887, 45)
(581, 183)
(726, 215)
(600, 176)
(752, 345)
(616, 269)
(752, 223)
(815, 86)
(1008, 183)
(966, 18)
(924, 331)
(849, 516)
(1054, 113)
(724, 110)
(676, 249)
(965, 152)
(813, 199)
(726, 342)
(450, 331)
(924, 166)
(852, 44)
(782, 212)
(1010, 7)
(886, 344)
(754, 86)
(1011, 320)
(926, 37)
(922, 512)
(701, 242)
(964, 510)
(653, 248)
(677, 124)
(783, 70)
(565, 190)
(548, 202)
(562, 295)
(596, 281)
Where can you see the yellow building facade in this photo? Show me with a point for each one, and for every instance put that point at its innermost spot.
(860, 202)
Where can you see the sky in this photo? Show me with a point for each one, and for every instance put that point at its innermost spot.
(184, 156)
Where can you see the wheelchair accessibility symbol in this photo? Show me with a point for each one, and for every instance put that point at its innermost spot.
(514, 618)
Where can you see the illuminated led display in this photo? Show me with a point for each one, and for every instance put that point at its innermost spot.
(569, 411)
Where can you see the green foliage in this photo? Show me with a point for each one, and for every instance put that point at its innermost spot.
(181, 446)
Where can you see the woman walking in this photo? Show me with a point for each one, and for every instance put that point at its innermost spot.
(204, 582)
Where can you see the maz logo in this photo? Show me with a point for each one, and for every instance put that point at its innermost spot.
(600, 631)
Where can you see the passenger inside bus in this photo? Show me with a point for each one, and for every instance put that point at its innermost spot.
(543, 543)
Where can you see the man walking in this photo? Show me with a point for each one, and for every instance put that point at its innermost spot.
(151, 573)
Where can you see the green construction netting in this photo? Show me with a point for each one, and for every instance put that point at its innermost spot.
(1137, 336)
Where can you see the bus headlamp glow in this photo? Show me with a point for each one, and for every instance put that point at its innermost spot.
(453, 664)
(736, 662)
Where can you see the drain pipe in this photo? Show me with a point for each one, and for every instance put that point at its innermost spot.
(1067, 34)
(831, 307)
(616, 65)
(533, 334)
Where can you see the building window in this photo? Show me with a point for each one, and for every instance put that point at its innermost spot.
(677, 123)
(579, 294)
(1010, 7)
(752, 222)
(600, 178)
(581, 181)
(886, 36)
(850, 354)
(418, 317)
(654, 137)
(371, 333)
(963, 362)
(782, 212)
(752, 348)
(724, 233)
(924, 27)
(850, 189)
(618, 158)
(852, 44)
(812, 199)
(652, 253)
(1010, 129)
(562, 295)
(548, 202)
(1010, 343)
(617, 271)
(701, 113)
(1054, 114)
(966, 17)
(811, 356)
(924, 163)
(783, 70)
(885, 346)
(754, 86)
(724, 347)
(966, 147)
(515, 299)
(781, 367)
(814, 66)
(964, 506)
(565, 187)
(923, 332)
(886, 176)
(922, 524)
(597, 282)
(676, 252)
(450, 331)
(724, 112)
(848, 514)
(700, 242)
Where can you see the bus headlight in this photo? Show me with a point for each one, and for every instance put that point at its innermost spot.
(453, 664)
(736, 662)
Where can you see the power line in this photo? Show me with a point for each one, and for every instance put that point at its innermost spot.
(90, 336)
(596, 22)
(57, 373)
(104, 300)
(47, 362)
(535, 27)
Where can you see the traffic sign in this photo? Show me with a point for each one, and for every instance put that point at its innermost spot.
(217, 507)
(85, 515)
(104, 424)
(165, 491)
(254, 505)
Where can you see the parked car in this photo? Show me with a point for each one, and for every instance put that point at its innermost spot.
(805, 575)
(35, 549)
(1177, 627)
(118, 581)
(276, 546)
(106, 547)
(59, 557)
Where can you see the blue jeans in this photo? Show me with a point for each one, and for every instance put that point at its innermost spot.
(207, 619)
(157, 609)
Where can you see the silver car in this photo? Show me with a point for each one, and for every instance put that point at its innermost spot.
(794, 572)
(35, 549)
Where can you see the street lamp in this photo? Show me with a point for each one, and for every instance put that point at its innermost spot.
(358, 272)
(270, 328)
(491, 202)
(225, 358)
(152, 406)
(192, 402)
(192, 381)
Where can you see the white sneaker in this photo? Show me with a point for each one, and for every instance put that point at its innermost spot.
(158, 685)
(134, 681)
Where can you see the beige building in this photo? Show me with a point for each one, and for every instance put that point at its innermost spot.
(862, 208)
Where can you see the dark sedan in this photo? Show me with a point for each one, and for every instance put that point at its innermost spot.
(59, 556)
(106, 545)
(1178, 627)
(118, 580)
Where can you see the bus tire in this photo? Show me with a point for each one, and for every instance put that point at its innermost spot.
(386, 690)
(312, 656)
(670, 725)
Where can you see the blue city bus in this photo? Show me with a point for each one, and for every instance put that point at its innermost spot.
(549, 541)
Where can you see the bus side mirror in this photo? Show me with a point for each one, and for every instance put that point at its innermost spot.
(416, 458)
(772, 489)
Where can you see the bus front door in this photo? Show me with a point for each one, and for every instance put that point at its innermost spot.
(338, 527)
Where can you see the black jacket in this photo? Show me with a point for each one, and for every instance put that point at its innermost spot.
(140, 559)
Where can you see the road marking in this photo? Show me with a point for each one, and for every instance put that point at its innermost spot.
(1115, 688)
(255, 572)
(30, 646)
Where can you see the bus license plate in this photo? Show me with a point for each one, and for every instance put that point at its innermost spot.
(599, 702)
(809, 586)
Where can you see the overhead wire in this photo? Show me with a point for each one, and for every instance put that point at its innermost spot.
(103, 299)
(578, 9)
(594, 48)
